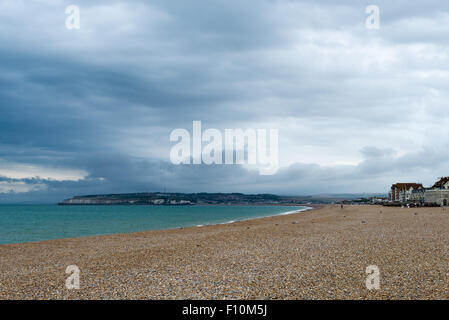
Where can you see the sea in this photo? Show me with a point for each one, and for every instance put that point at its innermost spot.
(29, 223)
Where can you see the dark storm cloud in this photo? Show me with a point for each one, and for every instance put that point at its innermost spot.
(356, 108)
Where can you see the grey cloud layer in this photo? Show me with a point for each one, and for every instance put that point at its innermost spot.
(355, 107)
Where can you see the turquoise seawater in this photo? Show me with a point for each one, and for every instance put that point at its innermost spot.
(25, 223)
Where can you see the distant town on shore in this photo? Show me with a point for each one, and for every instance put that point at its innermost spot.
(415, 194)
(409, 193)
(165, 198)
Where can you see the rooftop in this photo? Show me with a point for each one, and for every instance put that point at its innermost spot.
(407, 185)
(440, 183)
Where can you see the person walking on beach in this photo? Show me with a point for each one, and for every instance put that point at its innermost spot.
(341, 206)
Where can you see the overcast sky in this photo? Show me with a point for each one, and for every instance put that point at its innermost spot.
(91, 110)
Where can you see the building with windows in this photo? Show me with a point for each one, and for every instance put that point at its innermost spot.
(438, 193)
(405, 192)
(416, 195)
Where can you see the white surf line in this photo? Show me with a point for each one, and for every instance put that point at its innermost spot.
(260, 217)
(294, 211)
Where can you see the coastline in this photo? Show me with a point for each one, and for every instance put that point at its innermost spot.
(306, 208)
(314, 254)
(206, 221)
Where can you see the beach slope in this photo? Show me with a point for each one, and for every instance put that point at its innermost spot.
(317, 254)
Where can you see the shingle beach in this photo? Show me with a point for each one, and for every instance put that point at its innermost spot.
(317, 254)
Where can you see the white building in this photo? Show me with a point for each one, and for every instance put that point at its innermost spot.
(415, 194)
(439, 193)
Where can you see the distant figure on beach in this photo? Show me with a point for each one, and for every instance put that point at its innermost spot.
(341, 206)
